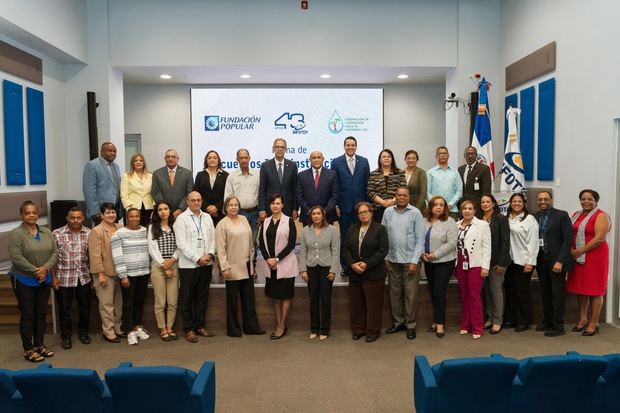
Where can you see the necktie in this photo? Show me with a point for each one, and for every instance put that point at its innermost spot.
(467, 174)
(316, 179)
(171, 176)
(280, 172)
(352, 165)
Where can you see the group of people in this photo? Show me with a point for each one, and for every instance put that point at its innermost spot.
(392, 222)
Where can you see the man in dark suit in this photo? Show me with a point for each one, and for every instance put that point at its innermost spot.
(554, 261)
(172, 183)
(278, 175)
(317, 186)
(352, 171)
(476, 177)
(101, 183)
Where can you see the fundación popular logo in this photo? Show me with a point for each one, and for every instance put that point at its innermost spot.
(212, 123)
(335, 123)
(293, 121)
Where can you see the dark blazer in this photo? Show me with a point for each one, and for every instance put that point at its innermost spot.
(351, 188)
(270, 184)
(480, 173)
(174, 195)
(373, 252)
(558, 237)
(326, 195)
(500, 241)
(212, 196)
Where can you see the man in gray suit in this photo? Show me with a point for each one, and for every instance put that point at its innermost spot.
(101, 183)
(172, 183)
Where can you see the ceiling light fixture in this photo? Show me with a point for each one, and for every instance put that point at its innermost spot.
(403, 76)
(166, 77)
(245, 76)
(325, 76)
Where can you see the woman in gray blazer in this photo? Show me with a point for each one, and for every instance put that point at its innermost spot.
(319, 261)
(439, 255)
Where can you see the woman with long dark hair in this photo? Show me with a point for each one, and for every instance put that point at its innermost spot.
(211, 183)
(383, 183)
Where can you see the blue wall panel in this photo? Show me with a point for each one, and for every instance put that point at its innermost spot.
(546, 129)
(12, 99)
(36, 137)
(526, 136)
(508, 102)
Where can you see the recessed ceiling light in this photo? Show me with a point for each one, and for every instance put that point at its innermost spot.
(245, 76)
(325, 76)
(403, 76)
(164, 76)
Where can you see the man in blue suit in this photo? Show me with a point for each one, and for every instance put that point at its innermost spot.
(317, 186)
(352, 171)
(278, 175)
(101, 182)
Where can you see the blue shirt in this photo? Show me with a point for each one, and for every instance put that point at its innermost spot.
(405, 233)
(447, 183)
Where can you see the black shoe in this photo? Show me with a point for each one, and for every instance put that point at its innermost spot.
(411, 335)
(84, 338)
(555, 332)
(590, 333)
(233, 334)
(395, 329)
(66, 343)
(578, 329)
(114, 340)
(440, 335)
(357, 336)
(542, 327)
(508, 324)
(370, 339)
(274, 337)
(431, 329)
(521, 329)
(121, 335)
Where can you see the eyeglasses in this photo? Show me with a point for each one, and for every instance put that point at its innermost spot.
(279, 147)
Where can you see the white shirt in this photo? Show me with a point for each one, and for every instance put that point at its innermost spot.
(195, 236)
(523, 239)
(244, 187)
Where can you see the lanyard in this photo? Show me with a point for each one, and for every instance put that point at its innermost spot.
(199, 226)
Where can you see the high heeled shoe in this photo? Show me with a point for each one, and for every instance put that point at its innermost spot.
(590, 333)
(274, 337)
(578, 329)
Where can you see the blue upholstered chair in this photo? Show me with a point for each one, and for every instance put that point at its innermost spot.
(611, 375)
(566, 383)
(46, 389)
(162, 389)
(9, 401)
(464, 385)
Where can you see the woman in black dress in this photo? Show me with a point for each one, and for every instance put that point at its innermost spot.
(211, 183)
(277, 245)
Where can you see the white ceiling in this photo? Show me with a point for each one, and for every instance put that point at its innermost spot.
(284, 75)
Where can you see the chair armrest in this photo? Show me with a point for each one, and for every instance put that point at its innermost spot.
(572, 353)
(106, 399)
(203, 390)
(17, 402)
(424, 385)
(125, 364)
(44, 366)
(497, 356)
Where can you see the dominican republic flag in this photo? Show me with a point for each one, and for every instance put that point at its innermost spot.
(512, 169)
(482, 139)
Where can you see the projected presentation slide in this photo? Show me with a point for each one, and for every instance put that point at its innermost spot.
(308, 119)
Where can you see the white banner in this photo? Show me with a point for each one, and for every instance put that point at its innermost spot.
(512, 178)
(226, 120)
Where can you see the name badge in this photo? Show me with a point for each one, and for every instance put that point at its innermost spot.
(541, 242)
(465, 265)
(476, 186)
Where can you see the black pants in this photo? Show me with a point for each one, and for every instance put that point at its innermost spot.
(438, 276)
(145, 216)
(366, 301)
(552, 290)
(64, 296)
(245, 289)
(32, 303)
(518, 310)
(320, 290)
(133, 302)
(194, 296)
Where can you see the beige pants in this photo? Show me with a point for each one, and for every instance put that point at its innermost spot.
(166, 290)
(110, 305)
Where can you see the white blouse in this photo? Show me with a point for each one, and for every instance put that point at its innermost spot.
(523, 239)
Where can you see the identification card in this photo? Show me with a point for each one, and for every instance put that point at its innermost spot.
(476, 186)
(465, 265)
(541, 242)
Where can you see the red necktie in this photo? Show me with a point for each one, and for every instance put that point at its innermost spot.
(316, 179)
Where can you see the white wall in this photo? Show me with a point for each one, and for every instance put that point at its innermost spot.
(413, 115)
(276, 33)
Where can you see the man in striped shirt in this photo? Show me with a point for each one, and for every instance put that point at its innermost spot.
(71, 276)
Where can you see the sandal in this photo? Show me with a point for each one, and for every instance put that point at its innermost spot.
(33, 356)
(45, 352)
(165, 336)
(173, 335)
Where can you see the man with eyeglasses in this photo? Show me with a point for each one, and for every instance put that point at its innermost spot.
(278, 176)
